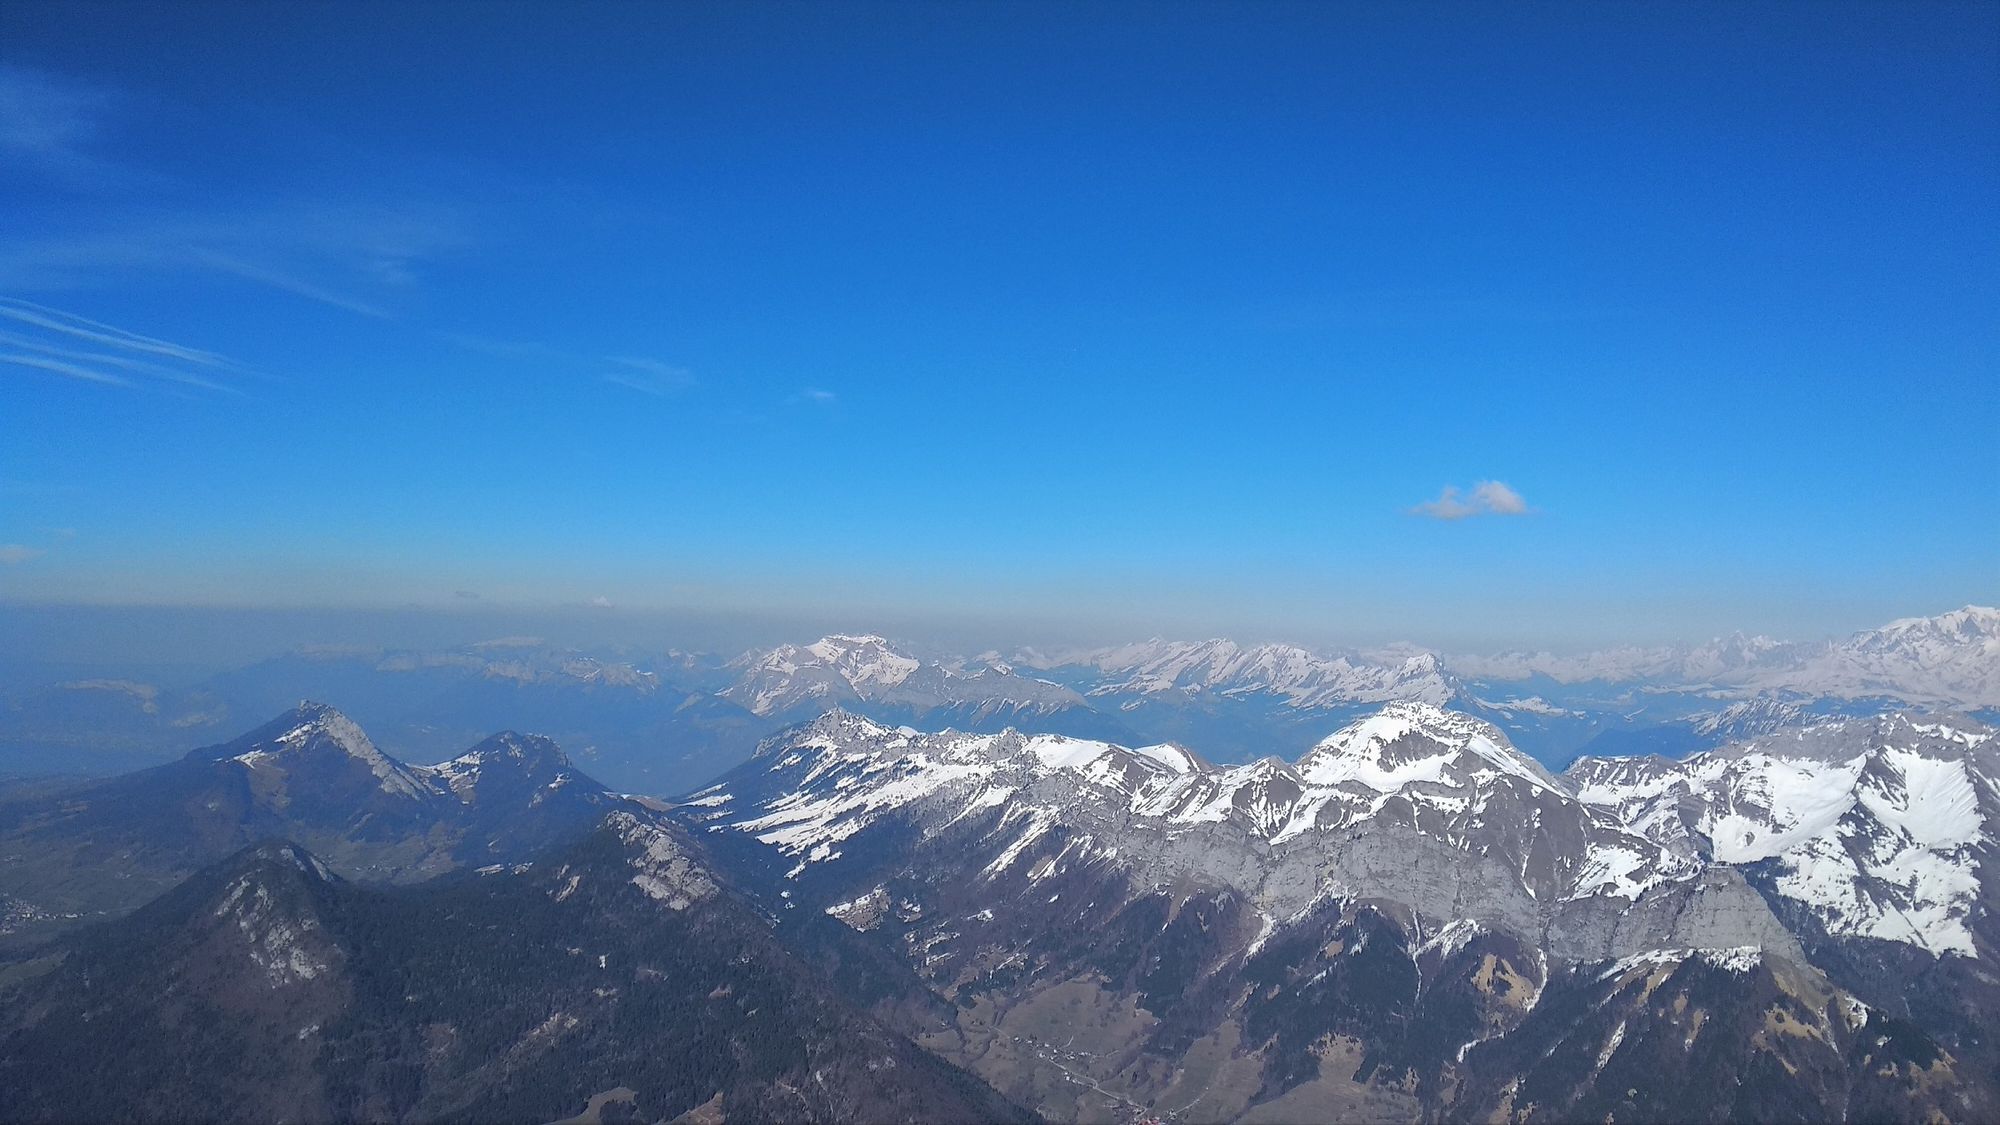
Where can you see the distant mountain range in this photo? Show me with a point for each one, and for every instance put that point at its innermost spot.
(1411, 920)
(655, 728)
(667, 721)
(1952, 660)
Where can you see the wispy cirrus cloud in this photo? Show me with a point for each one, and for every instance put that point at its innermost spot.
(361, 260)
(97, 366)
(45, 339)
(51, 124)
(358, 249)
(644, 374)
(1486, 498)
(59, 367)
(816, 395)
(96, 331)
(288, 283)
(647, 376)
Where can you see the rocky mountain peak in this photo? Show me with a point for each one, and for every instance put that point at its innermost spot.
(317, 737)
(507, 761)
(1409, 741)
(267, 907)
(660, 864)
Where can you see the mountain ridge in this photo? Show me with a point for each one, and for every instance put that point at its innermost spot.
(1387, 940)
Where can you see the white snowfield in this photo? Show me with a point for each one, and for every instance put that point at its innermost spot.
(1876, 827)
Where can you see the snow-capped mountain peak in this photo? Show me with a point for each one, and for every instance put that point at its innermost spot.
(837, 727)
(1972, 624)
(526, 759)
(1304, 679)
(1409, 742)
(863, 659)
(867, 671)
(315, 731)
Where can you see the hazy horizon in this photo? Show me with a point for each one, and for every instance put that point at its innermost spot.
(52, 643)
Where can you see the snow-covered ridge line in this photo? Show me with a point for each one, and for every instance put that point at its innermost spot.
(1952, 659)
(1412, 767)
(1304, 678)
(1876, 825)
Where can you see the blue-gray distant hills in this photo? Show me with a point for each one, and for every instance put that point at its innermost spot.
(664, 721)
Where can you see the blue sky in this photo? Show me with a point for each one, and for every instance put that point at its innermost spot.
(1166, 319)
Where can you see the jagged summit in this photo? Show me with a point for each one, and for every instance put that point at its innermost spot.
(1876, 827)
(1402, 742)
(1444, 778)
(510, 767)
(310, 776)
(835, 725)
(1411, 741)
(316, 739)
(534, 752)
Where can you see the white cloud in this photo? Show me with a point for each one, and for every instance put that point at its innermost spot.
(75, 347)
(815, 394)
(63, 368)
(1487, 498)
(95, 362)
(98, 332)
(12, 553)
(601, 602)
